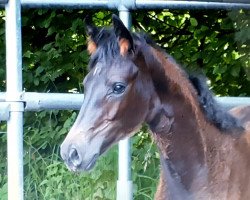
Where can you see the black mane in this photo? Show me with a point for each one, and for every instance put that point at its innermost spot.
(214, 112)
(107, 47)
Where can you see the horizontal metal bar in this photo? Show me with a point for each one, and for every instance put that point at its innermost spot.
(72, 4)
(48, 101)
(2, 97)
(4, 111)
(68, 101)
(159, 4)
(230, 102)
(139, 4)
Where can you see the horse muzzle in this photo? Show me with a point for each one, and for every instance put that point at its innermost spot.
(76, 160)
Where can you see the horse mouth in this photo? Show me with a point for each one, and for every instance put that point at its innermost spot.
(91, 163)
(84, 166)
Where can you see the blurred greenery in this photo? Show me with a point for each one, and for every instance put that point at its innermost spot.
(55, 60)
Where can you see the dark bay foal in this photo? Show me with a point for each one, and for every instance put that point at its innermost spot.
(205, 151)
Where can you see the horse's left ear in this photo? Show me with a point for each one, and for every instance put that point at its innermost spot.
(123, 35)
(92, 32)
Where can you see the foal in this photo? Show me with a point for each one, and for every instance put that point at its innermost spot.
(204, 150)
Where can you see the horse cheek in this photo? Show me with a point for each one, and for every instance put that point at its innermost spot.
(135, 110)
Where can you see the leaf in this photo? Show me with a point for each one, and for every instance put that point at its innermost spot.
(193, 21)
(36, 81)
(27, 54)
(235, 70)
(51, 30)
(39, 70)
(47, 47)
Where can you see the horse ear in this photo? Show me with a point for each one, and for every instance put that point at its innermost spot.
(92, 32)
(123, 35)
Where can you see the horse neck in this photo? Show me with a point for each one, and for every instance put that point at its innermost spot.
(185, 144)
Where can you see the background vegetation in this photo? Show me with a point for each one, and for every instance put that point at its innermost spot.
(55, 60)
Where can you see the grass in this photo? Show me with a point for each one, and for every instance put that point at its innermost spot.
(47, 178)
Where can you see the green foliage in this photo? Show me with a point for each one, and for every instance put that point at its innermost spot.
(48, 178)
(55, 60)
(145, 166)
(215, 42)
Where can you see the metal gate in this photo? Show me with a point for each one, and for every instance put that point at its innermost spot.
(14, 101)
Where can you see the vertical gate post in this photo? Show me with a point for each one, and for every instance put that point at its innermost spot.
(13, 91)
(124, 183)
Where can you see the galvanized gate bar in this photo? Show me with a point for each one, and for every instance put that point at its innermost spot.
(131, 5)
(55, 101)
(14, 87)
(159, 4)
(4, 111)
(230, 102)
(72, 4)
(139, 4)
(124, 183)
(35, 101)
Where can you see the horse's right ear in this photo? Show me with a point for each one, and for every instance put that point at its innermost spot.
(92, 32)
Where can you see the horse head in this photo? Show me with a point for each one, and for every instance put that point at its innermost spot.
(118, 95)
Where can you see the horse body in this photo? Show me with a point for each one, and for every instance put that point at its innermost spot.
(205, 163)
(204, 150)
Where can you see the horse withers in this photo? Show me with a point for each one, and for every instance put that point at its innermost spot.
(205, 152)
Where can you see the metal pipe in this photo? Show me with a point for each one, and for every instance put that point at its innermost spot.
(67, 101)
(159, 4)
(2, 97)
(14, 87)
(35, 101)
(4, 111)
(56, 101)
(75, 4)
(124, 183)
(139, 4)
(231, 102)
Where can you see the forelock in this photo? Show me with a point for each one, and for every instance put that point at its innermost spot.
(107, 48)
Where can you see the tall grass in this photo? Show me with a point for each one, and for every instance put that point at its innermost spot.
(47, 178)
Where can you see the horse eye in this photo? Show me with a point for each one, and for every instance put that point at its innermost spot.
(119, 88)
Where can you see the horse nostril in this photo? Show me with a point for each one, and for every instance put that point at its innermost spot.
(74, 157)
